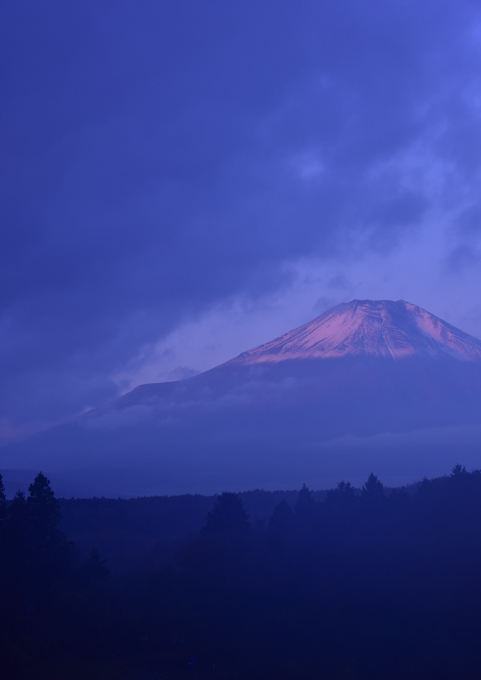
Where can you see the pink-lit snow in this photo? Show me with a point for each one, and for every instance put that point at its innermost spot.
(381, 328)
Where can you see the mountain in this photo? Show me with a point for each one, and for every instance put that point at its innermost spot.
(380, 328)
(367, 385)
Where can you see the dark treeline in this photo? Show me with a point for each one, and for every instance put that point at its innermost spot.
(368, 584)
(138, 533)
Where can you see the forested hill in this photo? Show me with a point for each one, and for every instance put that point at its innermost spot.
(363, 584)
(135, 534)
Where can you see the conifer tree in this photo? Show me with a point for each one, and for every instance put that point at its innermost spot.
(3, 501)
(458, 471)
(44, 509)
(94, 572)
(373, 488)
(16, 534)
(343, 497)
(18, 516)
(280, 524)
(48, 547)
(305, 502)
(281, 519)
(372, 494)
(228, 514)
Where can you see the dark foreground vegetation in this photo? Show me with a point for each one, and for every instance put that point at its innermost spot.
(365, 584)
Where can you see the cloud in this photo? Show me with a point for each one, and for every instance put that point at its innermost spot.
(159, 160)
(339, 282)
(462, 256)
(182, 373)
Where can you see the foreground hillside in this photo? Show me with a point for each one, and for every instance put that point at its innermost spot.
(363, 585)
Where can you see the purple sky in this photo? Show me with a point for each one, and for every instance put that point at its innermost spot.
(182, 180)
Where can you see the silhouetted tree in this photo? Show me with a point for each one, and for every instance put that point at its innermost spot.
(343, 497)
(14, 567)
(281, 519)
(48, 549)
(228, 514)
(372, 494)
(304, 503)
(459, 488)
(280, 523)
(458, 470)
(17, 526)
(94, 572)
(398, 500)
(3, 517)
(16, 538)
(3, 501)
(43, 507)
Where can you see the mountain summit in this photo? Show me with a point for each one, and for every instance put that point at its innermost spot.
(380, 328)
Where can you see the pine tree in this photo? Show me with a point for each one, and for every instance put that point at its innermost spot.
(18, 516)
(94, 572)
(43, 507)
(228, 514)
(280, 525)
(343, 497)
(304, 503)
(281, 520)
(372, 494)
(3, 501)
(16, 534)
(458, 471)
(47, 544)
(373, 487)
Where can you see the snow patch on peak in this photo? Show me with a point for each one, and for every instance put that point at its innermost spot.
(381, 328)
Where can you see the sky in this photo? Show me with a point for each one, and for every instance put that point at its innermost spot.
(184, 180)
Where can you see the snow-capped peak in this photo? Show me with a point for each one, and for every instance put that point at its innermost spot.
(381, 328)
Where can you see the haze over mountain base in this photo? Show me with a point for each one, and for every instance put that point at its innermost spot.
(369, 386)
(397, 458)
